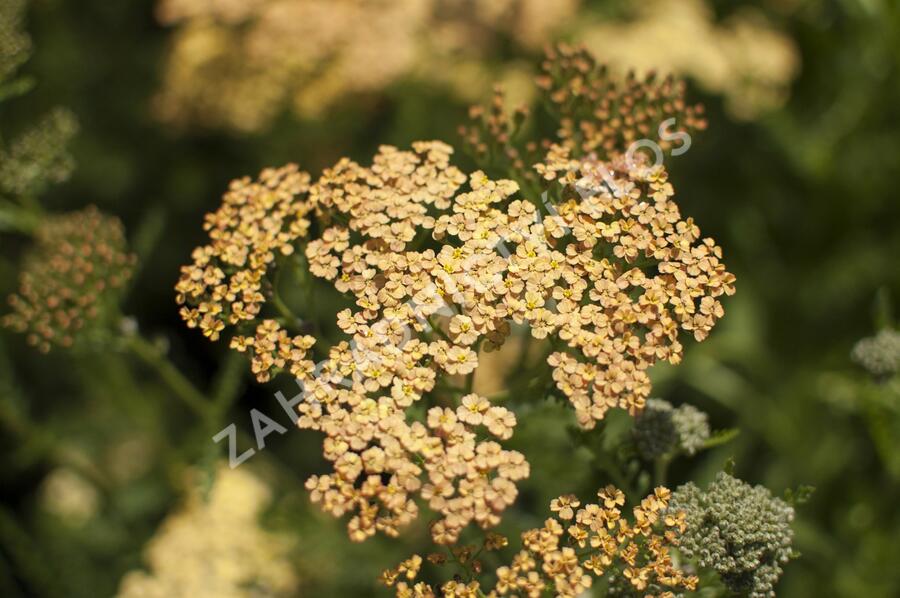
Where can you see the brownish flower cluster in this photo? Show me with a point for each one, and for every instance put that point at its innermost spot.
(379, 459)
(70, 279)
(570, 550)
(639, 274)
(599, 114)
(390, 200)
(610, 277)
(367, 387)
(603, 114)
(258, 223)
(604, 271)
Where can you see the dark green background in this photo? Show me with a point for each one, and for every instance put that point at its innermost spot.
(804, 202)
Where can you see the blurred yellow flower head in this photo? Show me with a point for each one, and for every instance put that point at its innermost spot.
(745, 59)
(214, 547)
(237, 64)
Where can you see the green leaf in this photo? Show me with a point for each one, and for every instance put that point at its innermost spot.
(721, 437)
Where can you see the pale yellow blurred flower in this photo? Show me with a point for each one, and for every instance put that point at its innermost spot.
(237, 64)
(214, 547)
(69, 496)
(744, 58)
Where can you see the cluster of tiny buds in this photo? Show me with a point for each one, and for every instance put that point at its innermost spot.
(740, 531)
(579, 544)
(879, 354)
(599, 114)
(71, 278)
(619, 112)
(662, 429)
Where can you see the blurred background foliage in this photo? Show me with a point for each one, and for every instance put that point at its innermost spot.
(795, 178)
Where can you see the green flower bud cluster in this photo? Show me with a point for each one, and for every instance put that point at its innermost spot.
(879, 354)
(692, 426)
(740, 531)
(661, 429)
(15, 46)
(39, 158)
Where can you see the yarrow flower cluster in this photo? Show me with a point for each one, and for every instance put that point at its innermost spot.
(740, 531)
(258, 222)
(379, 461)
(438, 265)
(70, 280)
(573, 548)
(600, 113)
(661, 429)
(387, 372)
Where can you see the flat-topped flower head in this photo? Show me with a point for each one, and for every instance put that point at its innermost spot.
(240, 63)
(217, 530)
(437, 266)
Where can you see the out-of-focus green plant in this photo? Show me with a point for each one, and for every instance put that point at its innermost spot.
(801, 196)
(38, 157)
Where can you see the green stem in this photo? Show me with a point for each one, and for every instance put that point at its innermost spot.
(437, 330)
(280, 305)
(284, 310)
(609, 465)
(301, 269)
(45, 446)
(147, 352)
(13, 217)
(660, 469)
(31, 566)
(228, 382)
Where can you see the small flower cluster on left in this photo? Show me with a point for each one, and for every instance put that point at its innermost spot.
(257, 222)
(71, 279)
